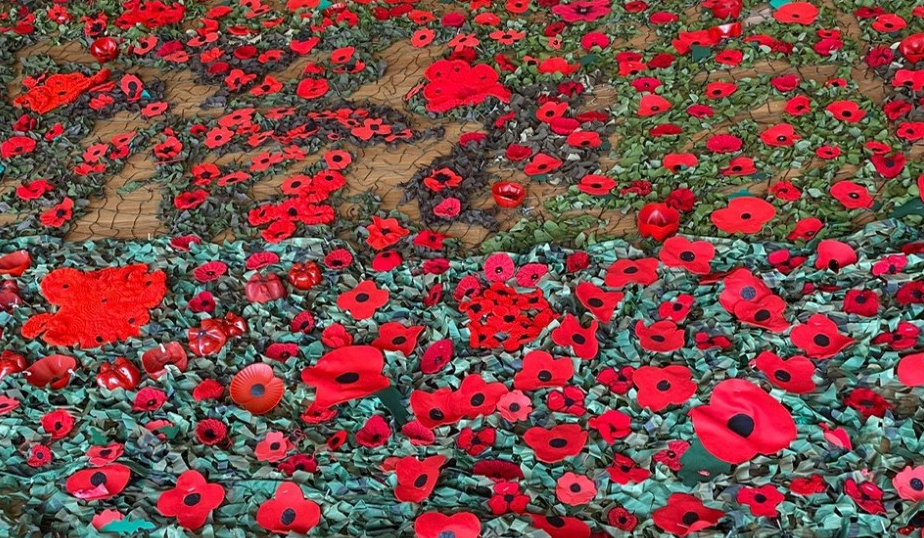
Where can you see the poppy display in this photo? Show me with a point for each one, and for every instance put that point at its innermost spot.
(345, 374)
(741, 421)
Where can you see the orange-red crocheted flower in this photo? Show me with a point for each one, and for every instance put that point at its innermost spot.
(97, 307)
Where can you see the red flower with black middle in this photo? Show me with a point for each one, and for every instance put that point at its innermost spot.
(741, 421)
(476, 397)
(694, 256)
(599, 302)
(744, 214)
(762, 501)
(643, 271)
(852, 195)
(346, 373)
(561, 526)
(436, 525)
(685, 514)
(661, 337)
(288, 511)
(867, 495)
(417, 478)
(793, 374)
(394, 336)
(363, 301)
(661, 387)
(191, 501)
(581, 340)
(834, 255)
(819, 337)
(98, 483)
(541, 370)
(867, 402)
(861, 302)
(556, 443)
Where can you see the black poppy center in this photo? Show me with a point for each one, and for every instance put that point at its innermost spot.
(257, 390)
(916, 484)
(362, 297)
(575, 488)
(821, 340)
(579, 338)
(782, 375)
(436, 414)
(762, 315)
(631, 270)
(421, 481)
(595, 302)
(687, 256)
(657, 338)
(664, 385)
(398, 340)
(544, 375)
(477, 399)
(555, 521)
(558, 443)
(748, 293)
(690, 518)
(192, 499)
(288, 516)
(98, 478)
(741, 424)
(349, 377)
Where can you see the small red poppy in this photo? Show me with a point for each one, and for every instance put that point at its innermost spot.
(599, 302)
(556, 443)
(156, 359)
(694, 256)
(191, 501)
(793, 374)
(910, 370)
(685, 514)
(661, 387)
(741, 421)
(661, 337)
(437, 355)
(819, 337)
(762, 500)
(642, 271)
(98, 483)
(434, 409)
(581, 340)
(394, 336)
(678, 309)
(363, 301)
(436, 525)
(834, 255)
(561, 526)
(346, 373)
(257, 389)
(476, 397)
(744, 214)
(851, 195)
(15, 263)
(861, 302)
(780, 135)
(417, 478)
(288, 511)
(540, 370)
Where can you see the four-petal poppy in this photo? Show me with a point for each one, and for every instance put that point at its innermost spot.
(288, 511)
(344, 374)
(191, 501)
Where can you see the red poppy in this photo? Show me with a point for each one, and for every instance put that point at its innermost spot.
(676, 310)
(834, 255)
(792, 375)
(611, 425)
(436, 408)
(363, 301)
(861, 302)
(867, 495)
(15, 263)
(685, 514)
(541, 370)
(852, 195)
(779, 135)
(744, 214)
(476, 397)
(437, 355)
(191, 501)
(508, 194)
(417, 478)
(661, 337)
(98, 483)
(156, 359)
(847, 111)
(741, 421)
(345, 374)
(803, 13)
(819, 337)
(599, 302)
(394, 336)
(583, 341)
(436, 525)
(312, 88)
(867, 402)
(561, 526)
(910, 370)
(257, 389)
(658, 221)
(661, 387)
(642, 271)
(288, 511)
(694, 256)
(891, 165)
(909, 484)
(762, 500)
(652, 104)
(903, 337)
(53, 371)
(557, 443)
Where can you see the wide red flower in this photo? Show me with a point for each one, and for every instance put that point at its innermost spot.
(581, 340)
(541, 370)
(417, 478)
(98, 483)
(694, 256)
(599, 302)
(685, 514)
(346, 373)
(191, 501)
(792, 375)
(744, 214)
(661, 387)
(556, 443)
(561, 526)
(363, 301)
(661, 337)
(742, 421)
(819, 337)
(642, 271)
(437, 525)
(288, 511)
(394, 336)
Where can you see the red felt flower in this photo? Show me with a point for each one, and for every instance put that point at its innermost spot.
(476, 397)
(819, 337)
(436, 525)
(288, 511)
(762, 500)
(98, 483)
(741, 421)
(346, 373)
(694, 256)
(599, 302)
(582, 341)
(642, 271)
(835, 255)
(661, 337)
(561, 526)
(363, 301)
(661, 387)
(191, 501)
(394, 336)
(744, 214)
(556, 443)
(685, 514)
(910, 370)
(540, 370)
(417, 478)
(792, 375)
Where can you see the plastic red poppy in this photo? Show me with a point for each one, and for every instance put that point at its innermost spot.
(912, 47)
(658, 221)
(305, 276)
(120, 374)
(207, 339)
(15, 263)
(53, 371)
(264, 288)
(257, 389)
(155, 360)
(508, 194)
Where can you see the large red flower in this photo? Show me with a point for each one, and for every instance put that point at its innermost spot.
(346, 373)
(288, 511)
(436, 525)
(363, 301)
(556, 443)
(741, 421)
(685, 514)
(793, 374)
(744, 214)
(819, 337)
(98, 483)
(191, 501)
(417, 478)
(661, 387)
